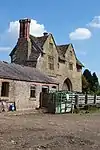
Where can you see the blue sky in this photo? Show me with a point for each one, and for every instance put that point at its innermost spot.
(70, 21)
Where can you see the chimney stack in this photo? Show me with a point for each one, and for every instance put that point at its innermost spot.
(45, 33)
(24, 28)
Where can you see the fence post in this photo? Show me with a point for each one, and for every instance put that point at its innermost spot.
(86, 99)
(94, 99)
(76, 101)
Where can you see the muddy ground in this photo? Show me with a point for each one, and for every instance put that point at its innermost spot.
(50, 132)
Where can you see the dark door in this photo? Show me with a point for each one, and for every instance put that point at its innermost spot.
(44, 96)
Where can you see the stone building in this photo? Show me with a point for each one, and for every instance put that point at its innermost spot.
(57, 61)
(23, 85)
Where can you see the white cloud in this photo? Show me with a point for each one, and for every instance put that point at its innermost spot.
(9, 37)
(80, 34)
(95, 23)
(36, 29)
(5, 49)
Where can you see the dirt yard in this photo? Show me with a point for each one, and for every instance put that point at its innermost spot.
(50, 132)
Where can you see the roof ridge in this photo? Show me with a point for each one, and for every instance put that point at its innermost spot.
(63, 44)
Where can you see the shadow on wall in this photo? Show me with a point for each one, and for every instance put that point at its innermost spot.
(67, 85)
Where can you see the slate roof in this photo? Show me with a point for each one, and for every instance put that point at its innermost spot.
(37, 43)
(39, 40)
(23, 73)
(62, 50)
(37, 47)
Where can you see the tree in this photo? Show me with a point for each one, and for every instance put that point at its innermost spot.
(95, 83)
(85, 85)
(90, 83)
(88, 76)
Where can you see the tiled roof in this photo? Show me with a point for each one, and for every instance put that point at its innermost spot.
(39, 40)
(37, 48)
(37, 43)
(23, 73)
(62, 50)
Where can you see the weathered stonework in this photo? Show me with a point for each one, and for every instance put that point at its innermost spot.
(61, 72)
(19, 92)
(31, 52)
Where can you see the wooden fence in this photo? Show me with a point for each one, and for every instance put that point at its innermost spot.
(81, 99)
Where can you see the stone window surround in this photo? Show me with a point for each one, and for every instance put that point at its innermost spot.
(50, 45)
(70, 66)
(33, 92)
(5, 89)
(50, 62)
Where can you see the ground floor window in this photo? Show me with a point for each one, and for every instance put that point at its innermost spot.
(5, 89)
(33, 91)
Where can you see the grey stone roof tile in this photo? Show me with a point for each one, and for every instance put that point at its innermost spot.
(23, 73)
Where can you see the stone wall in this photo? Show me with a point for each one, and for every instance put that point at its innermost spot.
(19, 92)
(61, 72)
(42, 62)
(22, 51)
(73, 75)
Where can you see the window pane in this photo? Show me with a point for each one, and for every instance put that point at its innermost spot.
(70, 53)
(51, 62)
(51, 45)
(70, 66)
(5, 89)
(33, 91)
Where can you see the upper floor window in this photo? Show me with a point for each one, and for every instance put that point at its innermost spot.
(51, 45)
(51, 62)
(33, 91)
(71, 53)
(5, 89)
(70, 66)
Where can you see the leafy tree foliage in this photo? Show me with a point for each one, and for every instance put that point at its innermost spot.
(90, 83)
(85, 84)
(95, 83)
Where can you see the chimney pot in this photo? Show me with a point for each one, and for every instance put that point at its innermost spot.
(45, 33)
(25, 20)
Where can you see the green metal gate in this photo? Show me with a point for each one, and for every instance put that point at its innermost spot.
(61, 102)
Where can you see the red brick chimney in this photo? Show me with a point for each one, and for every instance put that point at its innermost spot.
(24, 28)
